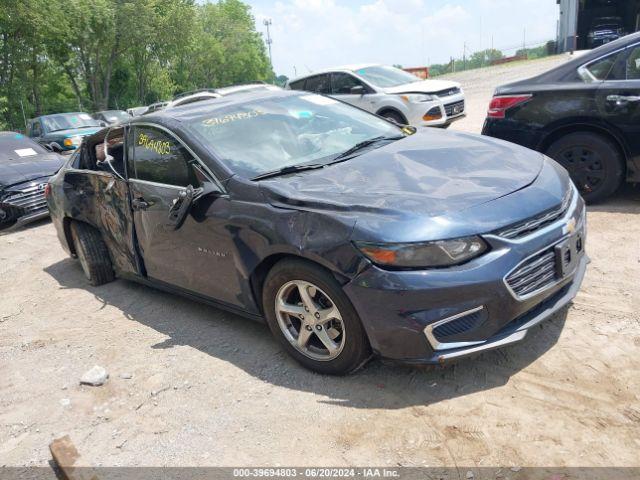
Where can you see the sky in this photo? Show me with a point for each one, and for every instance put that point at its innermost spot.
(312, 34)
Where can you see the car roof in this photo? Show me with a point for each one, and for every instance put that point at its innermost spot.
(233, 89)
(557, 74)
(199, 96)
(203, 107)
(342, 68)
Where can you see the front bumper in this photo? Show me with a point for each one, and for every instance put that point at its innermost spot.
(399, 308)
(442, 112)
(516, 330)
(23, 203)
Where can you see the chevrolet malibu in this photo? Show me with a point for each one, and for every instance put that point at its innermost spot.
(350, 236)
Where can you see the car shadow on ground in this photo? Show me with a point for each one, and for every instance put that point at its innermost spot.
(625, 200)
(26, 227)
(249, 345)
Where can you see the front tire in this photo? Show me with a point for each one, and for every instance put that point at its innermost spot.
(593, 162)
(92, 253)
(394, 117)
(313, 319)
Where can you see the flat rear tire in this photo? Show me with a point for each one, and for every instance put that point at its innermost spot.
(92, 253)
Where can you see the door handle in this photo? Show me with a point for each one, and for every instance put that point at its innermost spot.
(623, 98)
(139, 204)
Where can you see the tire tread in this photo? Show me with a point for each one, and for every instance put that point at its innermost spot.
(88, 242)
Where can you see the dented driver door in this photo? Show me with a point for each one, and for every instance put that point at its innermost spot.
(161, 172)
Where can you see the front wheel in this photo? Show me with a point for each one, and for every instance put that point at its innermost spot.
(593, 162)
(313, 319)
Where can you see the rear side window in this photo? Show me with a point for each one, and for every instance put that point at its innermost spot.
(160, 158)
(342, 83)
(607, 68)
(318, 84)
(298, 85)
(633, 64)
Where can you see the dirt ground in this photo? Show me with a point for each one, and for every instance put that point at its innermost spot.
(210, 388)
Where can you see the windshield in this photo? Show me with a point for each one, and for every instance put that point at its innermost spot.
(64, 121)
(384, 77)
(268, 134)
(16, 146)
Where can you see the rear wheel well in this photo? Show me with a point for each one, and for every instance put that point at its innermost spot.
(395, 111)
(66, 225)
(561, 132)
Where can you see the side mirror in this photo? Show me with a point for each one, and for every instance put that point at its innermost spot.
(48, 147)
(208, 188)
(180, 208)
(102, 123)
(54, 146)
(357, 90)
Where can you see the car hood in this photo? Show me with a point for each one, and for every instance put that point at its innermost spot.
(14, 171)
(71, 132)
(424, 86)
(428, 174)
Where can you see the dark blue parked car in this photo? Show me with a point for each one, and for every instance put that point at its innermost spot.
(62, 131)
(348, 234)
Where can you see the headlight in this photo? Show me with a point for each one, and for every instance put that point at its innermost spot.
(442, 253)
(72, 141)
(417, 97)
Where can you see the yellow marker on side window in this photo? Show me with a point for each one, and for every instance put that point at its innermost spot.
(158, 146)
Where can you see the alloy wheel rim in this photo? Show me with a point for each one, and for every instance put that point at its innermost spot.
(585, 168)
(310, 320)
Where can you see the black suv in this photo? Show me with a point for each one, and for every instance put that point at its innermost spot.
(585, 114)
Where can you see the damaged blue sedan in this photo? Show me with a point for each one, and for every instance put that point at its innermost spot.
(349, 235)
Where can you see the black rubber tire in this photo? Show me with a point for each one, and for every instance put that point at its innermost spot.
(394, 116)
(609, 161)
(356, 351)
(92, 253)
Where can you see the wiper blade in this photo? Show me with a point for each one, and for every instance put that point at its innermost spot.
(287, 170)
(365, 143)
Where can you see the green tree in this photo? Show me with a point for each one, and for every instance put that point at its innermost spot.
(63, 55)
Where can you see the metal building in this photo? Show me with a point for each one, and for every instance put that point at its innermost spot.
(579, 17)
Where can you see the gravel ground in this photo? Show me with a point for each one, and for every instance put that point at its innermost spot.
(193, 385)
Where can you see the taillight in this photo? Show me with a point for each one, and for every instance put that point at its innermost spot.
(47, 190)
(499, 105)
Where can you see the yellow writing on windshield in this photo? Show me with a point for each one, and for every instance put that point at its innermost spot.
(232, 117)
(161, 147)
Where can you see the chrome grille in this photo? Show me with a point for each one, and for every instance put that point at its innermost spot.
(26, 200)
(532, 224)
(450, 108)
(534, 274)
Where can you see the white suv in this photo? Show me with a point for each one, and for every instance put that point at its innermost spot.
(389, 92)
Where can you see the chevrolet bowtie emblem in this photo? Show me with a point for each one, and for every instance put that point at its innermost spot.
(571, 226)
